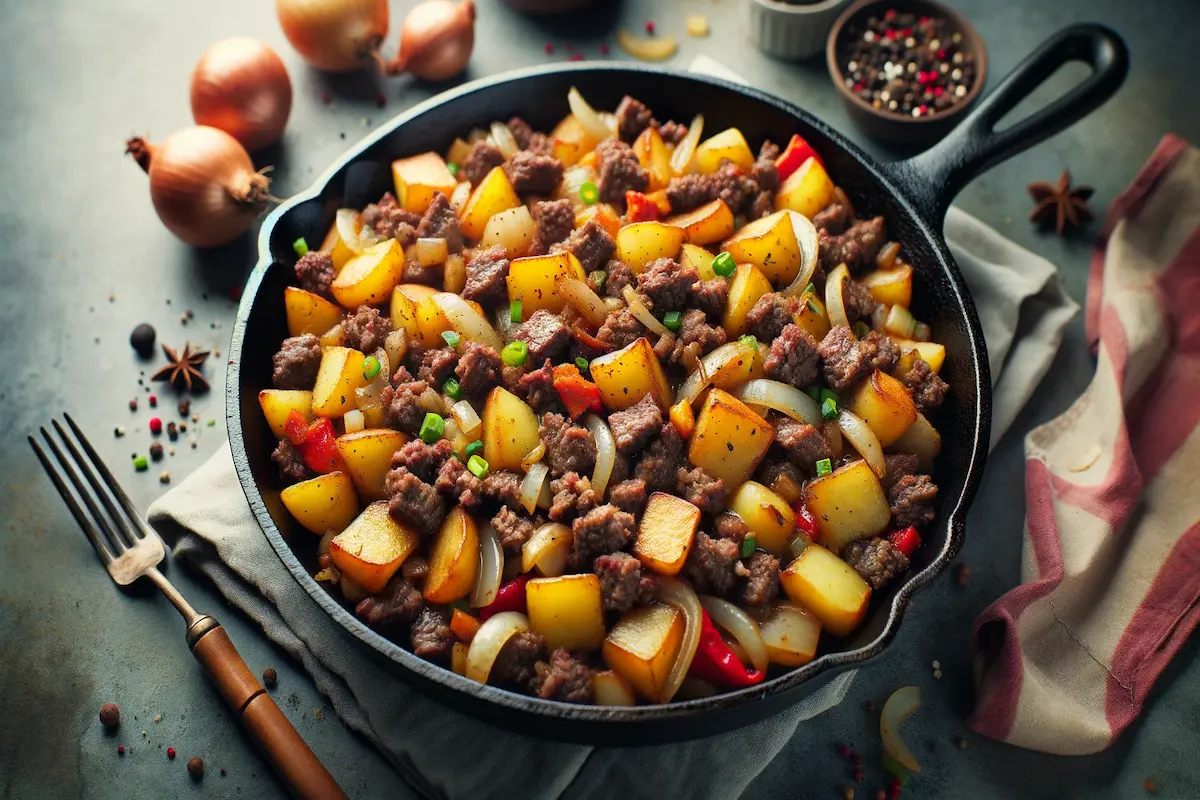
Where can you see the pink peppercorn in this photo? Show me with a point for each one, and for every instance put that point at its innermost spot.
(844, 750)
(153, 401)
(856, 758)
(549, 48)
(155, 425)
(576, 57)
(170, 752)
(858, 775)
(120, 749)
(603, 49)
(650, 27)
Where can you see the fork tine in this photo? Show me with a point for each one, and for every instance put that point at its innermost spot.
(109, 480)
(89, 530)
(119, 521)
(70, 470)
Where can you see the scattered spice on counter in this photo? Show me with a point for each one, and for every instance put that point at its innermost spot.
(696, 24)
(184, 370)
(844, 750)
(183, 427)
(171, 451)
(140, 463)
(141, 339)
(110, 715)
(165, 477)
(575, 57)
(962, 574)
(153, 401)
(120, 749)
(855, 759)
(156, 425)
(156, 451)
(960, 743)
(158, 718)
(650, 27)
(869, 706)
(195, 767)
(1150, 786)
(133, 404)
(118, 431)
(171, 752)
(381, 100)
(211, 423)
(111, 297)
(270, 678)
(222, 772)
(192, 442)
(1059, 205)
(185, 406)
(858, 775)
(195, 417)
(549, 48)
(880, 794)
(603, 49)
(172, 431)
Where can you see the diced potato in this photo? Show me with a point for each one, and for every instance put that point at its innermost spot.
(334, 337)
(512, 229)
(665, 534)
(807, 190)
(604, 214)
(368, 457)
(510, 430)
(415, 310)
(730, 439)
(787, 487)
(324, 503)
(368, 279)
(653, 154)
(340, 373)
(747, 285)
(419, 178)
(458, 658)
(812, 316)
(791, 634)
(627, 375)
(696, 257)
(770, 244)
(567, 611)
(531, 280)
(373, 547)
(728, 144)
(849, 504)
(892, 287)
(458, 152)
(642, 646)
(309, 313)
(709, 223)
(454, 273)
(885, 405)
(404, 314)
(828, 587)
(453, 558)
(278, 404)
(642, 242)
(611, 689)
(932, 353)
(571, 140)
(768, 516)
(493, 195)
(683, 418)
(922, 440)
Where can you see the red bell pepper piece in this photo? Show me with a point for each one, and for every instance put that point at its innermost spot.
(906, 541)
(577, 393)
(296, 428)
(805, 521)
(640, 207)
(318, 449)
(797, 152)
(715, 663)
(510, 597)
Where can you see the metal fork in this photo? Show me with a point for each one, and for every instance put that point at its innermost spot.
(130, 549)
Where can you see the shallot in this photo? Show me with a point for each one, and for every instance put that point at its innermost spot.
(436, 40)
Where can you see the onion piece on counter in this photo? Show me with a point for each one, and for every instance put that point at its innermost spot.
(903, 702)
(504, 139)
(681, 159)
(587, 116)
(657, 48)
(531, 486)
(468, 419)
(491, 566)
(490, 639)
(710, 367)
(534, 456)
(547, 550)
(639, 310)
(862, 439)
(809, 241)
(473, 326)
(677, 593)
(780, 397)
(738, 623)
(582, 299)
(835, 305)
(606, 452)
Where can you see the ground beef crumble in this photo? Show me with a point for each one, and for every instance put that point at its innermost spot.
(634, 426)
(569, 447)
(297, 362)
(567, 678)
(315, 272)
(431, 635)
(292, 468)
(710, 564)
(623, 584)
(391, 612)
(512, 528)
(604, 529)
(366, 329)
(877, 560)
(572, 497)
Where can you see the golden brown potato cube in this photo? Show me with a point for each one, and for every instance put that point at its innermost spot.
(368, 457)
(567, 611)
(611, 689)
(812, 316)
(885, 405)
(604, 214)
(931, 353)
(493, 195)
(728, 144)
(324, 503)
(368, 279)
(571, 141)
(665, 533)
(340, 373)
(770, 244)
(652, 153)
(747, 285)
(531, 280)
(458, 152)
(309, 313)
(709, 223)
(373, 547)
(730, 439)
(699, 259)
(335, 244)
(278, 404)
(419, 178)
(807, 190)
(828, 587)
(642, 646)
(892, 287)
(922, 440)
(510, 430)
(791, 634)
(639, 243)
(453, 559)
(627, 375)
(849, 504)
(403, 311)
(768, 516)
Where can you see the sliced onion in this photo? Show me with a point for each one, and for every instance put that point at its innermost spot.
(639, 310)
(354, 421)
(428, 251)
(473, 326)
(504, 139)
(709, 369)
(572, 181)
(475, 135)
(432, 402)
(900, 322)
(656, 48)
(922, 332)
(806, 237)
(606, 452)
(835, 306)
(531, 486)
(903, 702)
(743, 628)
(348, 226)
(460, 196)
(681, 159)
(587, 116)
(879, 316)
(679, 594)
(490, 639)
(781, 397)
(862, 439)
(534, 456)
(396, 347)
(582, 299)
(468, 420)
(547, 550)
(491, 565)
(610, 121)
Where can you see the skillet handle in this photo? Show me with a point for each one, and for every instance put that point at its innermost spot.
(975, 146)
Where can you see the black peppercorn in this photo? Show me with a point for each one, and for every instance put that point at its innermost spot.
(185, 406)
(156, 451)
(142, 340)
(195, 767)
(270, 677)
(172, 431)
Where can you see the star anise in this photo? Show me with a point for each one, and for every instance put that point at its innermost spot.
(1059, 204)
(184, 370)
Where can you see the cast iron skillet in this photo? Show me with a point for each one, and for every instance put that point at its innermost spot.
(913, 197)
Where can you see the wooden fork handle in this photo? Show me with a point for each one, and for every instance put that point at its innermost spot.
(302, 772)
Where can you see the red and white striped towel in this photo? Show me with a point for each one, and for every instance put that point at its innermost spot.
(1111, 567)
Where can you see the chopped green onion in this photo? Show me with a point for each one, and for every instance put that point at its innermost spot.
(515, 353)
(141, 464)
(300, 246)
(474, 447)
(814, 393)
(452, 388)
(861, 329)
(673, 320)
(450, 338)
(723, 264)
(432, 428)
(810, 289)
(583, 364)
(212, 423)
(824, 467)
(597, 278)
(829, 409)
(828, 393)
(478, 466)
(746, 338)
(749, 545)
(514, 312)
(812, 306)
(588, 193)
(453, 169)
(371, 367)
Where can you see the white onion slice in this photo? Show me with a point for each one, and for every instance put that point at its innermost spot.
(531, 486)
(639, 310)
(582, 299)
(743, 628)
(348, 226)
(428, 251)
(468, 420)
(504, 139)
(781, 397)
(534, 456)
(922, 332)
(490, 639)
(879, 316)
(710, 368)
(547, 550)
(900, 322)
(862, 439)
(610, 121)
(587, 116)
(354, 421)
(806, 237)
(396, 346)
(903, 702)
(460, 196)
(491, 565)
(835, 306)
(679, 594)
(606, 452)
(431, 401)
(472, 325)
(681, 159)
(572, 181)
